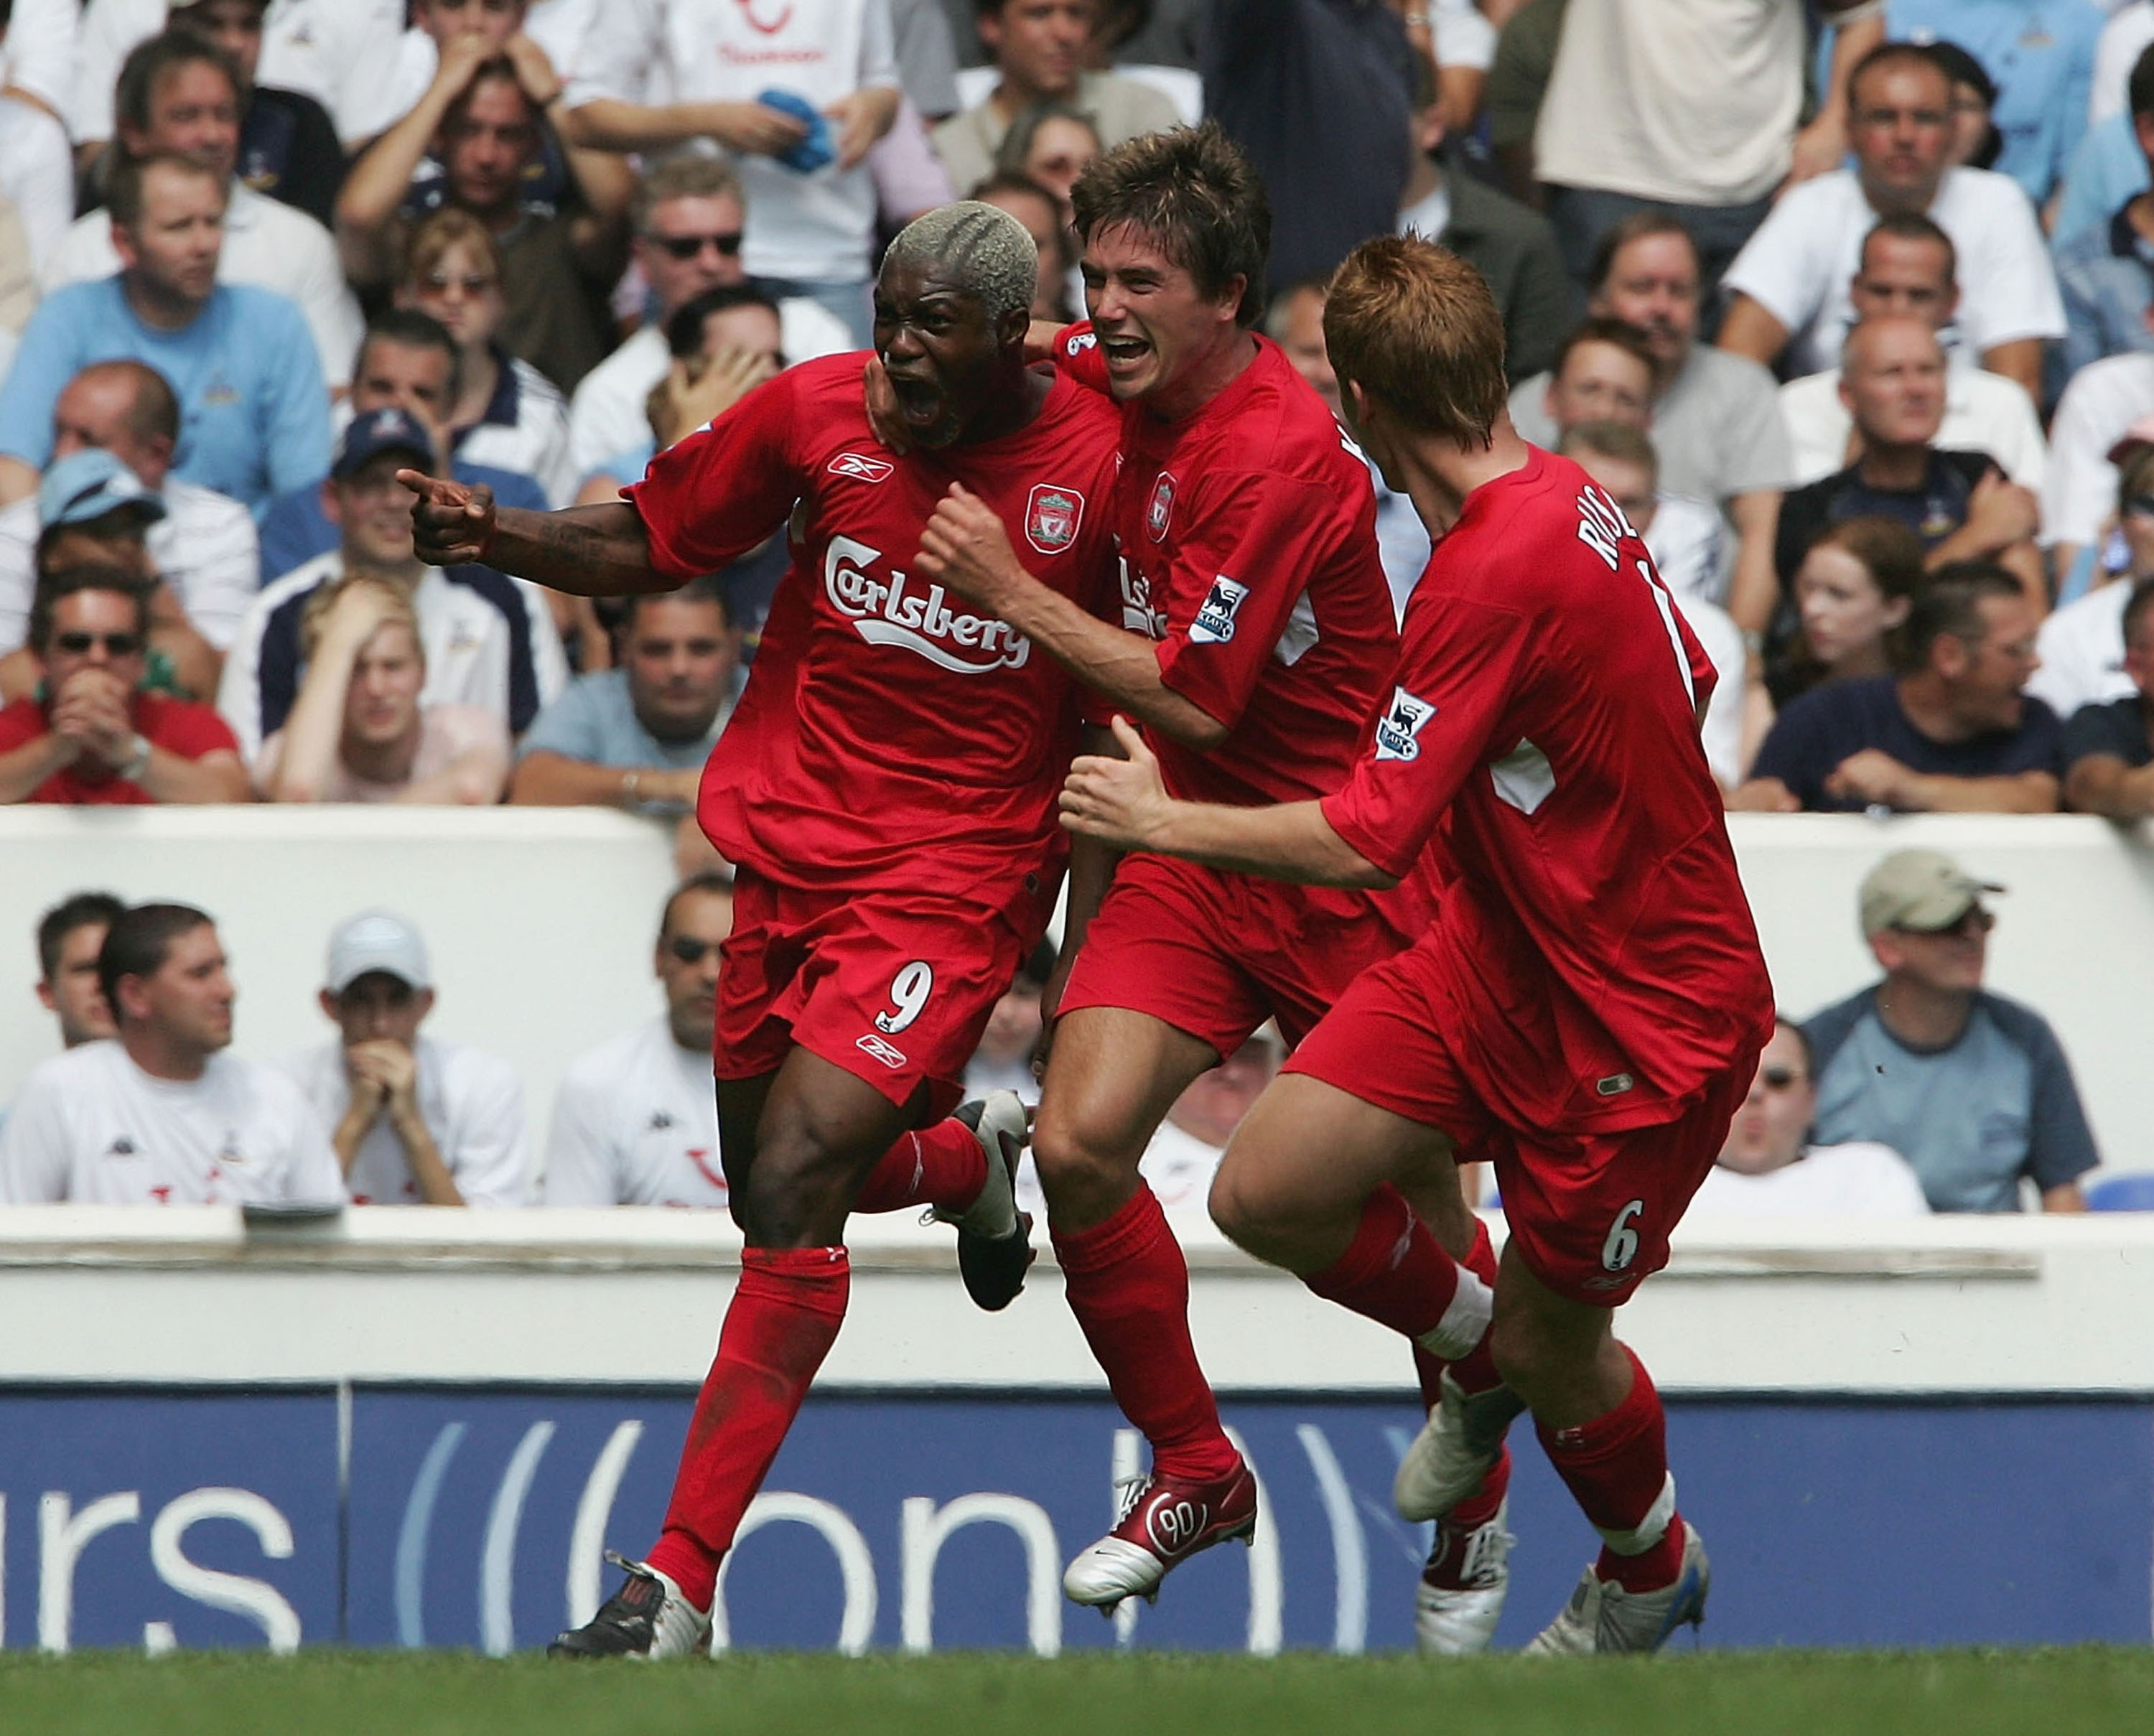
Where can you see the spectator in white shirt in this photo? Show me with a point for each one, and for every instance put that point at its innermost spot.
(37, 170)
(161, 1115)
(489, 640)
(1768, 1167)
(2107, 409)
(508, 414)
(415, 1121)
(357, 731)
(180, 96)
(2081, 645)
(689, 222)
(1716, 417)
(1788, 285)
(71, 935)
(340, 53)
(663, 72)
(199, 545)
(635, 1122)
(1909, 266)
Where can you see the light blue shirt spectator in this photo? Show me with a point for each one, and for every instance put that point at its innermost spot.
(2107, 169)
(2041, 54)
(594, 720)
(2104, 275)
(1973, 1117)
(254, 411)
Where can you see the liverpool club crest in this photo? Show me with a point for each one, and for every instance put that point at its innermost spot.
(1052, 516)
(1161, 507)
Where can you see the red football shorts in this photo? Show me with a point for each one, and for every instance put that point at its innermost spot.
(1216, 954)
(895, 988)
(1589, 1211)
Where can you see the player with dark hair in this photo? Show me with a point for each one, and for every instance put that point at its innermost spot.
(1587, 1005)
(886, 792)
(1257, 633)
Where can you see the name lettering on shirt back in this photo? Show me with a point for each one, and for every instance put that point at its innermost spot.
(893, 611)
(1601, 525)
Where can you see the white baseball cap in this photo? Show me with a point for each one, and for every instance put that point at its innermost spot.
(377, 940)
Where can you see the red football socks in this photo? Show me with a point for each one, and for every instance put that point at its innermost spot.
(940, 1165)
(785, 1315)
(1129, 1287)
(1616, 1467)
(1393, 1273)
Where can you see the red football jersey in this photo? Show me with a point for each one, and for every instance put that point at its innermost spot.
(179, 726)
(1247, 544)
(889, 735)
(1593, 935)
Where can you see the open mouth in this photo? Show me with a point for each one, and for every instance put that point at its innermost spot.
(919, 401)
(1124, 353)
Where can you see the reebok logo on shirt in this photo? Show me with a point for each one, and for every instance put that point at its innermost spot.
(865, 470)
(1398, 731)
(1215, 621)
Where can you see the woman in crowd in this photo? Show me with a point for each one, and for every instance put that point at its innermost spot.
(358, 731)
(1852, 594)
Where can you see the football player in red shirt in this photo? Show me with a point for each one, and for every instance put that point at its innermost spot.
(1256, 633)
(1587, 1005)
(887, 792)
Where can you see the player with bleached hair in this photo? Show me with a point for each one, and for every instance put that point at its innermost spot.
(886, 791)
(1586, 1006)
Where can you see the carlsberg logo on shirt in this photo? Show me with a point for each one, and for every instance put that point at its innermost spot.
(896, 611)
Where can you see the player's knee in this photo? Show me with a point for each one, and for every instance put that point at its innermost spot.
(1527, 1354)
(1236, 1209)
(1069, 1154)
(798, 1187)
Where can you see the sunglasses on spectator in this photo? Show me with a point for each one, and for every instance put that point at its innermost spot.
(1778, 1078)
(687, 246)
(1981, 921)
(690, 952)
(2140, 506)
(116, 644)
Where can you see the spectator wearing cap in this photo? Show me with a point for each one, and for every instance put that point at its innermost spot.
(407, 361)
(91, 735)
(1788, 288)
(1770, 1167)
(357, 731)
(1038, 53)
(798, 94)
(477, 141)
(92, 511)
(2036, 57)
(488, 640)
(635, 1122)
(162, 1113)
(1715, 416)
(1909, 267)
(254, 409)
(1960, 504)
(2081, 644)
(415, 1120)
(1952, 733)
(1971, 1089)
(2109, 746)
(2102, 269)
(179, 95)
(200, 545)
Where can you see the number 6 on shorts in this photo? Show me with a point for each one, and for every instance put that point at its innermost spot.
(909, 990)
(1621, 1247)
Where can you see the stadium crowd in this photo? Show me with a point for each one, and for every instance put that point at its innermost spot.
(1850, 307)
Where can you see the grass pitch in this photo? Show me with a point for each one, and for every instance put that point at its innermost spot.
(2051, 1692)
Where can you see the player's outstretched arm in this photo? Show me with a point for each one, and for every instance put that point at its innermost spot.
(592, 551)
(966, 548)
(1124, 803)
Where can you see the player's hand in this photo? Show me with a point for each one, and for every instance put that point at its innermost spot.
(965, 548)
(879, 398)
(753, 128)
(1121, 801)
(452, 523)
(862, 118)
(1871, 776)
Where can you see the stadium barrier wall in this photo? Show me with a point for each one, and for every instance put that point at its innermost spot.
(541, 921)
(421, 1428)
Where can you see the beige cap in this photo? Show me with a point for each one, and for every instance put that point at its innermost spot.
(1919, 889)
